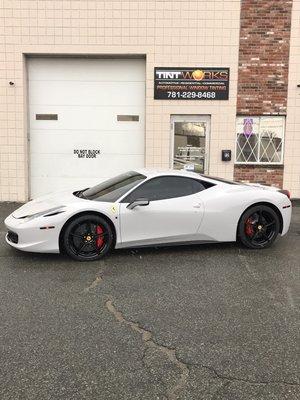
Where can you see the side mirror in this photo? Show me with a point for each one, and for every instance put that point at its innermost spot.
(138, 202)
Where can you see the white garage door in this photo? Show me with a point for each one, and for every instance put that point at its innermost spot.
(87, 121)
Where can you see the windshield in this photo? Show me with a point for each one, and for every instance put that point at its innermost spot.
(112, 189)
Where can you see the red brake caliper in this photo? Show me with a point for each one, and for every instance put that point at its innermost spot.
(249, 227)
(100, 239)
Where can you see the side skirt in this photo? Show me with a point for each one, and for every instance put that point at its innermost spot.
(167, 244)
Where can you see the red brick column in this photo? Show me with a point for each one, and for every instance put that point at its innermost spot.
(263, 67)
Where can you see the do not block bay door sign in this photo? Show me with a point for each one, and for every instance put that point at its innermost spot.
(84, 153)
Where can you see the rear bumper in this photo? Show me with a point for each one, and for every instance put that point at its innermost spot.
(286, 217)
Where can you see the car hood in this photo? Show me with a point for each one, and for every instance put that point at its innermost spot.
(45, 203)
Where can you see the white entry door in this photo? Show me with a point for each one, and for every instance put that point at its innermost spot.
(87, 121)
(190, 142)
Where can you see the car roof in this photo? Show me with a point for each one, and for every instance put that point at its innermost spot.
(150, 173)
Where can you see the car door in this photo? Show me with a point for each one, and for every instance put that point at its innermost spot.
(174, 212)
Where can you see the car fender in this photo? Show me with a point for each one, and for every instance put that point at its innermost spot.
(108, 210)
(224, 208)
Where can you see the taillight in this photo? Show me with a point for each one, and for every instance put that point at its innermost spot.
(286, 192)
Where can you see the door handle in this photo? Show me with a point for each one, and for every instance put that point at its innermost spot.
(197, 205)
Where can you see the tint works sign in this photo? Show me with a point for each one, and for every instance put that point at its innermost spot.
(191, 83)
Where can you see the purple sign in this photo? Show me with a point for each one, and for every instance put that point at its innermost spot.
(248, 127)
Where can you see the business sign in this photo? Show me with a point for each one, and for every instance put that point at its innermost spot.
(191, 83)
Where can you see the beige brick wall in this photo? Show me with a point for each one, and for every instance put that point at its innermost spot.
(292, 143)
(169, 33)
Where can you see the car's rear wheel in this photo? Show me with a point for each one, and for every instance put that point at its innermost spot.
(258, 227)
(87, 238)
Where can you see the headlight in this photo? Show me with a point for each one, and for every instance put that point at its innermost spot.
(47, 213)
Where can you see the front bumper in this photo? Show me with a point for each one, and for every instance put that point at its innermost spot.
(28, 236)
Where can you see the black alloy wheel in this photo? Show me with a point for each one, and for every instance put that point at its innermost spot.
(258, 227)
(87, 238)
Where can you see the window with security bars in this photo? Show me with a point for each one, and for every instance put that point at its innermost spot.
(259, 140)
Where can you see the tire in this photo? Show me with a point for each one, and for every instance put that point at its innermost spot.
(87, 238)
(258, 227)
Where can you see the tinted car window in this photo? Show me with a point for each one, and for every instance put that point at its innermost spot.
(112, 189)
(165, 187)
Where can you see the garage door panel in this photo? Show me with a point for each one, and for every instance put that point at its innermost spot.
(87, 118)
(59, 143)
(91, 93)
(65, 183)
(46, 185)
(49, 165)
(87, 96)
(72, 69)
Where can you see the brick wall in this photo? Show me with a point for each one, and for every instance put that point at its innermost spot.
(264, 56)
(260, 174)
(263, 72)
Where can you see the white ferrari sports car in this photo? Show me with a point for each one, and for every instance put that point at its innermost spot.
(144, 207)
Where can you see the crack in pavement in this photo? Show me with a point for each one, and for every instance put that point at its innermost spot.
(147, 337)
(234, 379)
(95, 283)
(182, 366)
(98, 279)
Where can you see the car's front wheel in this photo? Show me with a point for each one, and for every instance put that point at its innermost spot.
(87, 238)
(258, 227)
